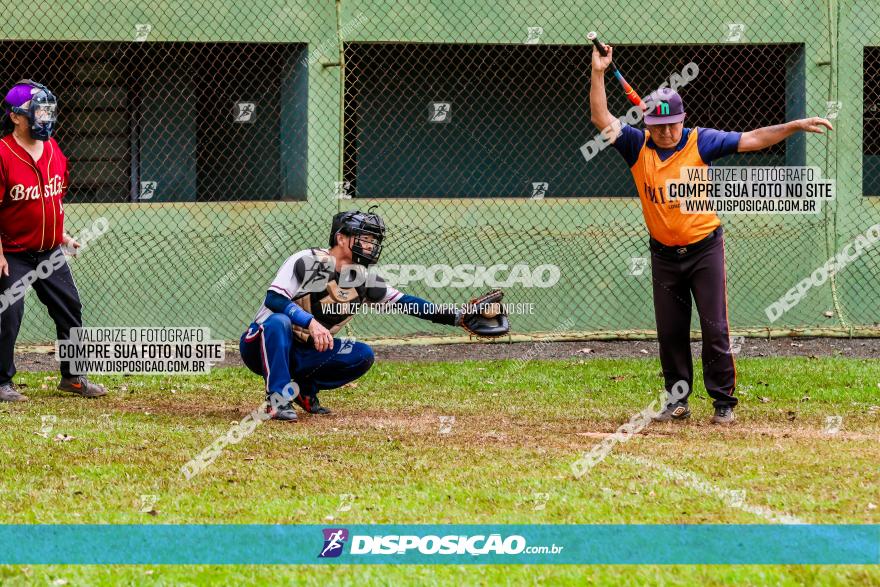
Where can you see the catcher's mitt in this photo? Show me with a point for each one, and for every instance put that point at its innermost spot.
(485, 316)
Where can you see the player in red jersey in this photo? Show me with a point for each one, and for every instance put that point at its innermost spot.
(33, 182)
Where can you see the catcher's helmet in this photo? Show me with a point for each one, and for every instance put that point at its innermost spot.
(358, 224)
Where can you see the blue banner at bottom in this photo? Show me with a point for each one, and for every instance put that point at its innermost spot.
(440, 544)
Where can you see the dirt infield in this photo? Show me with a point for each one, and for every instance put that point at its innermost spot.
(623, 349)
(41, 358)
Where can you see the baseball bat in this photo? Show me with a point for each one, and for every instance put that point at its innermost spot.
(631, 94)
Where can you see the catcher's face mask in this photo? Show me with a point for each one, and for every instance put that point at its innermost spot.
(366, 248)
(38, 104)
(367, 231)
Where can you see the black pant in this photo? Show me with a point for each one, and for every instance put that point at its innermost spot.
(677, 273)
(57, 292)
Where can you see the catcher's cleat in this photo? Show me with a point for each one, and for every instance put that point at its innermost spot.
(8, 393)
(674, 411)
(81, 386)
(311, 405)
(285, 413)
(723, 415)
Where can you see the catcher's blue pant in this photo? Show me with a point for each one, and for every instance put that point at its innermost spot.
(269, 349)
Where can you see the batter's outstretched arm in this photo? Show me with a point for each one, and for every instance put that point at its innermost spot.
(767, 136)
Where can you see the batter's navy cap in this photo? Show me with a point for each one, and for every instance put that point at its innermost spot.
(664, 107)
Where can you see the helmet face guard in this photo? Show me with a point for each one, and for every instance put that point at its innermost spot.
(371, 235)
(367, 231)
(41, 111)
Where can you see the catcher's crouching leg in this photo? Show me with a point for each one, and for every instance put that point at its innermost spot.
(265, 349)
(315, 371)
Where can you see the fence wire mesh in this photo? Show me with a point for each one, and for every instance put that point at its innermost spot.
(219, 138)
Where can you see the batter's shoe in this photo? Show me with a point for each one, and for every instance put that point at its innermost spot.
(8, 393)
(311, 405)
(673, 411)
(82, 386)
(723, 415)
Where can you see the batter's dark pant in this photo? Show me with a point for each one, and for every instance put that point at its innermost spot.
(57, 292)
(678, 273)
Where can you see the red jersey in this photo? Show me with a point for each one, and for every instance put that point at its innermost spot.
(31, 212)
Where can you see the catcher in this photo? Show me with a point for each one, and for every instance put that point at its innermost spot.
(291, 340)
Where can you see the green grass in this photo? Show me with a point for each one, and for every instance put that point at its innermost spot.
(518, 428)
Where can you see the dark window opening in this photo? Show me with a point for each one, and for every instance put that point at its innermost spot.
(871, 123)
(160, 122)
(518, 114)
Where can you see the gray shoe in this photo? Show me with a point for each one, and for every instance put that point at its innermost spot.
(723, 415)
(285, 413)
(8, 393)
(673, 411)
(82, 386)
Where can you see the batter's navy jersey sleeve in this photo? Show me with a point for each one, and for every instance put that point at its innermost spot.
(629, 142)
(715, 144)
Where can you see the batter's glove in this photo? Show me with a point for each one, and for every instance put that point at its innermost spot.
(485, 316)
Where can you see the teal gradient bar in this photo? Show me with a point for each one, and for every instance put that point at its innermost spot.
(575, 544)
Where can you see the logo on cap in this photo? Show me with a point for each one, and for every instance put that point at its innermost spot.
(663, 109)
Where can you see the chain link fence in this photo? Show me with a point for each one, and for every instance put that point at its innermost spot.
(219, 138)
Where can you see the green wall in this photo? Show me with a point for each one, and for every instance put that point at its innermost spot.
(208, 264)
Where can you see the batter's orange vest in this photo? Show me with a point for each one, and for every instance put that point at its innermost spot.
(665, 222)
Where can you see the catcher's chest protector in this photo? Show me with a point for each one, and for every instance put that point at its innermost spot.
(332, 307)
